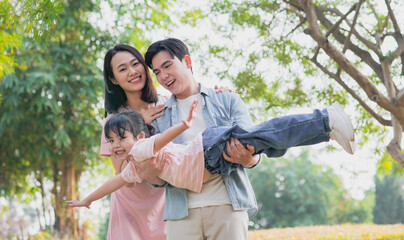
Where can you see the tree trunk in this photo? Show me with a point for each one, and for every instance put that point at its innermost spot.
(66, 222)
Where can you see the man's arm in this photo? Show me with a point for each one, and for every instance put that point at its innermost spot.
(237, 152)
(150, 169)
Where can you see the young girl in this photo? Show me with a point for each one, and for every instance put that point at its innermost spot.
(130, 136)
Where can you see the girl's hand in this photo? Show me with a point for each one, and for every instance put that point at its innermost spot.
(193, 111)
(82, 203)
(152, 113)
(223, 89)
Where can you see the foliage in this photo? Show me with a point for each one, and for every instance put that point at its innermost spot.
(50, 112)
(292, 191)
(389, 202)
(52, 104)
(345, 51)
(336, 232)
(17, 18)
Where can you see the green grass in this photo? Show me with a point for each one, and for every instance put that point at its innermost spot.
(336, 232)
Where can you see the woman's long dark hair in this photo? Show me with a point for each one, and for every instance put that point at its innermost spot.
(115, 96)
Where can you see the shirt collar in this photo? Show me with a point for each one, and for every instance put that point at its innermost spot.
(172, 100)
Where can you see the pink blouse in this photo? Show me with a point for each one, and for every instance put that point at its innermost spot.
(183, 164)
(135, 212)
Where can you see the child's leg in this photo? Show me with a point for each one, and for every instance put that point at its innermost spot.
(272, 138)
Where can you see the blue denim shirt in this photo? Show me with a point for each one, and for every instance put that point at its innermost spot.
(218, 109)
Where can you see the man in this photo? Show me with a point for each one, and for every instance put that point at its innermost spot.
(223, 208)
(225, 204)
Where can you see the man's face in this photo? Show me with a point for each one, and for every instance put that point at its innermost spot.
(173, 74)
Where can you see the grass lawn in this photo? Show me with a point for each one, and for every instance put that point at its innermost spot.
(336, 232)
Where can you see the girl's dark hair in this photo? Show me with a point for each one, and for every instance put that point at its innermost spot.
(128, 120)
(115, 96)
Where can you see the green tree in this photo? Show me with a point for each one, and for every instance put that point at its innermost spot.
(352, 51)
(52, 105)
(292, 191)
(50, 117)
(35, 18)
(389, 200)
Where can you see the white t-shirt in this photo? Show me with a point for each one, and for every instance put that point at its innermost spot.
(214, 191)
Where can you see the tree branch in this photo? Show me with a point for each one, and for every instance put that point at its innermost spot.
(340, 20)
(378, 117)
(315, 32)
(362, 54)
(379, 24)
(400, 98)
(392, 16)
(367, 43)
(394, 147)
(348, 38)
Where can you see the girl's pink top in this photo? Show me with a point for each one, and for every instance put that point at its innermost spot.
(183, 164)
(136, 212)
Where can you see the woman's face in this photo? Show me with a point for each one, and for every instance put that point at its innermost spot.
(128, 71)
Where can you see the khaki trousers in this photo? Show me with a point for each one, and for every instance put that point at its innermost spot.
(210, 223)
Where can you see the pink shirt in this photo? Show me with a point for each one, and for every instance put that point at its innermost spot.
(135, 212)
(183, 167)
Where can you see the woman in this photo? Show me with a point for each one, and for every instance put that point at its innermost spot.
(136, 212)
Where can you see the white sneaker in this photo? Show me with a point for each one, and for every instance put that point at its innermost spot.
(341, 128)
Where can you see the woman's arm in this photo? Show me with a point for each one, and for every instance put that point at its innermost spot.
(173, 132)
(107, 188)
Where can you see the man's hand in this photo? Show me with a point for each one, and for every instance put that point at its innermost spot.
(150, 169)
(239, 154)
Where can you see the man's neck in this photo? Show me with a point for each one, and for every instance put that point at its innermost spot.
(193, 89)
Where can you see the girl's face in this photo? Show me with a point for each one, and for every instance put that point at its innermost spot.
(128, 71)
(120, 147)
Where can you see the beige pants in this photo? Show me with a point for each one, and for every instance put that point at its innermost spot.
(210, 223)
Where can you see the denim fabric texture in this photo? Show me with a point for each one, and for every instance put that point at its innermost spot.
(272, 138)
(219, 109)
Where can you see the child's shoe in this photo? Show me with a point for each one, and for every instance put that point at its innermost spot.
(341, 128)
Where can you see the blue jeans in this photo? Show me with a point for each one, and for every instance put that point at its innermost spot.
(272, 138)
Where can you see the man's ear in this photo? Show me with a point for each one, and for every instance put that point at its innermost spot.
(188, 61)
(141, 135)
(113, 81)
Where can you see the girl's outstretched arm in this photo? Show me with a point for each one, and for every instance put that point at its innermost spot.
(173, 132)
(109, 187)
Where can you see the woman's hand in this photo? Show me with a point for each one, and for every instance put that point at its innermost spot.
(224, 89)
(152, 113)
